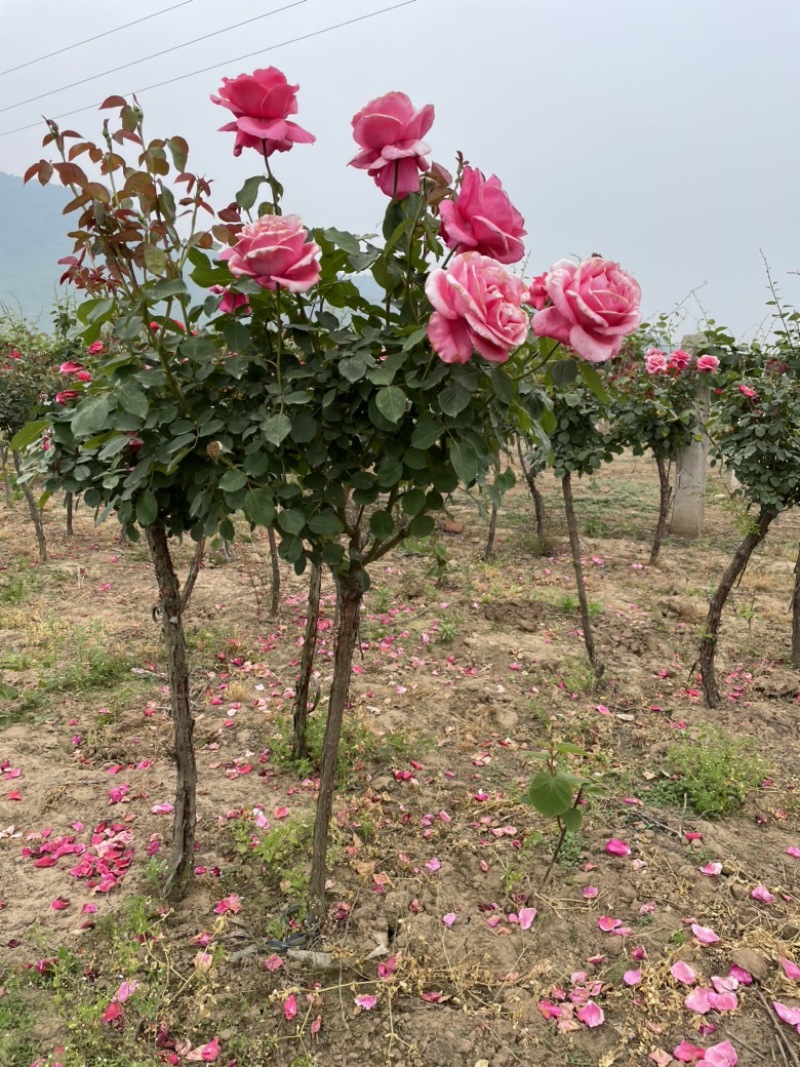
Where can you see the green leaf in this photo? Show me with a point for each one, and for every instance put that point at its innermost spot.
(413, 501)
(291, 521)
(91, 416)
(128, 328)
(163, 290)
(199, 348)
(27, 434)
(391, 402)
(464, 460)
(259, 507)
(563, 372)
(414, 338)
(353, 368)
(8, 692)
(276, 428)
(422, 526)
(237, 336)
(381, 524)
(179, 151)
(572, 820)
(453, 400)
(326, 524)
(550, 794)
(343, 240)
(232, 481)
(146, 508)
(155, 259)
(248, 193)
(502, 385)
(290, 548)
(427, 432)
(131, 398)
(594, 381)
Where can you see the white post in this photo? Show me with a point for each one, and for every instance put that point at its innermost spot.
(690, 481)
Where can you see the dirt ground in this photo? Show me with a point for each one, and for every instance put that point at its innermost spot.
(432, 956)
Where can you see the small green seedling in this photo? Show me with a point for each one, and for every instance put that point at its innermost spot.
(557, 793)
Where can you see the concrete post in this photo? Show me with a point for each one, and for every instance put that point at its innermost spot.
(690, 480)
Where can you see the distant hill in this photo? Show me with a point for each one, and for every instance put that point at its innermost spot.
(33, 237)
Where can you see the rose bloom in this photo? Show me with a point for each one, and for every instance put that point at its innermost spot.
(66, 395)
(230, 301)
(69, 367)
(594, 306)
(95, 347)
(83, 376)
(14, 354)
(476, 308)
(389, 132)
(537, 294)
(483, 219)
(261, 103)
(707, 363)
(655, 361)
(747, 391)
(679, 360)
(274, 251)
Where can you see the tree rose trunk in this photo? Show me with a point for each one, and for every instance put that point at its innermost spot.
(33, 508)
(575, 546)
(538, 500)
(664, 500)
(182, 851)
(275, 563)
(350, 594)
(736, 567)
(300, 741)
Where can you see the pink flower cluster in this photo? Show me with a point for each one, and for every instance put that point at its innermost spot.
(658, 362)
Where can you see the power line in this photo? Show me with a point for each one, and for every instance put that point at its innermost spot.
(107, 33)
(216, 66)
(155, 55)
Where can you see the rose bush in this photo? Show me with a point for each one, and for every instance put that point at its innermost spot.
(261, 103)
(483, 219)
(389, 131)
(477, 309)
(594, 306)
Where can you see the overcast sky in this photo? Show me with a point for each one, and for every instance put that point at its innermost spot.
(661, 133)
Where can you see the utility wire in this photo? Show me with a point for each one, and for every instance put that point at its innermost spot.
(154, 55)
(216, 66)
(107, 33)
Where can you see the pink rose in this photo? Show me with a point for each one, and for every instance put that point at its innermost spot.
(679, 360)
(230, 301)
(14, 354)
(483, 219)
(594, 305)
(70, 368)
(707, 363)
(655, 361)
(747, 391)
(65, 396)
(274, 250)
(261, 103)
(537, 294)
(83, 376)
(95, 347)
(476, 308)
(389, 130)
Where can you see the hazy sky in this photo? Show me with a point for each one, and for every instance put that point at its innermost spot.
(661, 133)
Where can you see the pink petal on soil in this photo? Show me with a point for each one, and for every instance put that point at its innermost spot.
(698, 1000)
(791, 970)
(660, 1058)
(162, 809)
(449, 919)
(723, 1001)
(433, 865)
(549, 1010)
(290, 1007)
(615, 847)
(231, 903)
(632, 977)
(711, 870)
(742, 976)
(205, 1054)
(687, 1052)
(793, 850)
(366, 1002)
(59, 904)
(281, 812)
(607, 923)
(787, 1014)
(590, 892)
(591, 1014)
(126, 989)
(273, 962)
(526, 917)
(725, 985)
(639, 953)
(704, 934)
(721, 1055)
(763, 894)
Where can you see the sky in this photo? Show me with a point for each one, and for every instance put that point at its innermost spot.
(660, 133)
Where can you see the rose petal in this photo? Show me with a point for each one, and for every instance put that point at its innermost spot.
(526, 917)
(449, 919)
(615, 847)
(366, 1002)
(704, 934)
(591, 1014)
(632, 977)
(787, 1014)
(791, 970)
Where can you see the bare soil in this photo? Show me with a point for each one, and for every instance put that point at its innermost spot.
(461, 678)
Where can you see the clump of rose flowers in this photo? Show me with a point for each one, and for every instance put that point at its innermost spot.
(478, 305)
(657, 361)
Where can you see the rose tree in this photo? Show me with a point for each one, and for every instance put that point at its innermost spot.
(286, 396)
